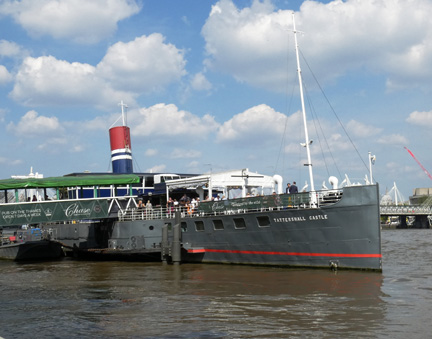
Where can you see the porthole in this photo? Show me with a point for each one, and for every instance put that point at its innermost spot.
(239, 223)
(218, 224)
(199, 226)
(263, 221)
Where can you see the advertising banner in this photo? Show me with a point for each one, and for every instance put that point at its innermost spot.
(61, 210)
(254, 203)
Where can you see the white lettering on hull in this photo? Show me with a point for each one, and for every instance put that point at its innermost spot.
(302, 218)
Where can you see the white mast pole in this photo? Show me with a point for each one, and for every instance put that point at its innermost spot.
(308, 142)
(123, 113)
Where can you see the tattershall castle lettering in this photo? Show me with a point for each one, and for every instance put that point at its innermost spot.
(302, 218)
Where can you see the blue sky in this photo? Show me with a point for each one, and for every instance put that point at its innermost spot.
(211, 85)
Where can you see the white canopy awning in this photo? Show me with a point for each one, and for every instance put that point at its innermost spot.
(242, 179)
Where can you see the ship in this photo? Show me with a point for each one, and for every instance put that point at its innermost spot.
(231, 217)
(28, 244)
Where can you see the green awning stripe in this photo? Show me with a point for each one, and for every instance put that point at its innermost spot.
(70, 181)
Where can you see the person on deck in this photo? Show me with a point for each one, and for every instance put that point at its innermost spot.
(170, 206)
(293, 188)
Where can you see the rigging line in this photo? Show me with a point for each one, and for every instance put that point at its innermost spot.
(334, 112)
(136, 162)
(315, 118)
(312, 108)
(109, 168)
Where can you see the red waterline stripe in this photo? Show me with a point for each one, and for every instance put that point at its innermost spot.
(343, 255)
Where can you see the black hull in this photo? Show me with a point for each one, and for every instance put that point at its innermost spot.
(32, 250)
(346, 234)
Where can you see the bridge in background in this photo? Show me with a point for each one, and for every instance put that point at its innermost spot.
(419, 216)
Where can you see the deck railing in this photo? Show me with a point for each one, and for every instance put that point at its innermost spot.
(405, 210)
(233, 206)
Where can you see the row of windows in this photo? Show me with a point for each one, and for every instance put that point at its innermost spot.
(218, 224)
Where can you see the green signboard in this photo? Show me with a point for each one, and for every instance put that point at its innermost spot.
(62, 210)
(254, 203)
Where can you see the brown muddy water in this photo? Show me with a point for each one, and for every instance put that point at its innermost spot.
(76, 299)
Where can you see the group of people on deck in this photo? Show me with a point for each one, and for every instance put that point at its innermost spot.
(190, 205)
(185, 204)
(291, 189)
(148, 206)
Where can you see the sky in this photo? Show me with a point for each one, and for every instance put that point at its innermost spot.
(212, 86)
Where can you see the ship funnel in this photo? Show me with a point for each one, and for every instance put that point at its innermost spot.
(121, 149)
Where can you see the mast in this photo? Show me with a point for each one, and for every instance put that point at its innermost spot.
(308, 142)
(123, 106)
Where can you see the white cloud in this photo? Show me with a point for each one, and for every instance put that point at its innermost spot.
(255, 125)
(11, 49)
(156, 169)
(2, 114)
(48, 134)
(127, 70)
(199, 82)
(180, 153)
(79, 20)
(52, 144)
(247, 43)
(32, 124)
(393, 139)
(100, 123)
(361, 130)
(48, 81)
(5, 76)
(143, 65)
(185, 19)
(10, 162)
(194, 166)
(168, 121)
(420, 118)
(341, 36)
(151, 152)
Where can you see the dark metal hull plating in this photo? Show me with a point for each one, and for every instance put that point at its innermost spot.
(346, 234)
(31, 250)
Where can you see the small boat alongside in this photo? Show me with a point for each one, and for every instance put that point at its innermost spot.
(28, 244)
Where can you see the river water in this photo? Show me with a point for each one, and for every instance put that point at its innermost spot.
(77, 299)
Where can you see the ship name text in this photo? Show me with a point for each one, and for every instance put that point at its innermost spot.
(302, 218)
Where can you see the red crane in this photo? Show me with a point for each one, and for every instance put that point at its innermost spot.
(424, 169)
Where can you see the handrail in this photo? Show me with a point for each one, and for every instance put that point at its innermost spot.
(410, 209)
(233, 206)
